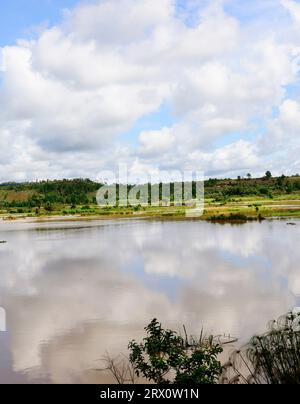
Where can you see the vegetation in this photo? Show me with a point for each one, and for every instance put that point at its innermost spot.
(234, 217)
(273, 358)
(48, 193)
(164, 357)
(259, 187)
(225, 199)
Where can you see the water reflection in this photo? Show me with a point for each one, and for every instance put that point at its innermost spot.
(73, 292)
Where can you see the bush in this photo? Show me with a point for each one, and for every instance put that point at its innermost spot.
(164, 357)
(48, 208)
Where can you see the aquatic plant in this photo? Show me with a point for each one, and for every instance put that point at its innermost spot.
(272, 358)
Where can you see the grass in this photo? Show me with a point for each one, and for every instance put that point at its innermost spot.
(271, 358)
(238, 209)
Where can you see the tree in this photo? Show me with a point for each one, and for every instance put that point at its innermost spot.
(268, 175)
(281, 181)
(249, 176)
(164, 353)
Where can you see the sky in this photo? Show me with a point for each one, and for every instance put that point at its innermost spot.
(165, 85)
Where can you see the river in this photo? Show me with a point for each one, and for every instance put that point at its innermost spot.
(74, 291)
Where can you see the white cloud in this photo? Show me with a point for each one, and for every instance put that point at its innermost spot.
(81, 85)
(293, 7)
(94, 21)
(154, 143)
(290, 114)
(234, 157)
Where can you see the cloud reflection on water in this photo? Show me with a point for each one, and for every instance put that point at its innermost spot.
(73, 292)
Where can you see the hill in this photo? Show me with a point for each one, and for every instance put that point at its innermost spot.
(83, 191)
(253, 197)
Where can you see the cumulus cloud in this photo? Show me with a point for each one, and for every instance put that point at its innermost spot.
(156, 142)
(80, 86)
(290, 114)
(294, 8)
(283, 131)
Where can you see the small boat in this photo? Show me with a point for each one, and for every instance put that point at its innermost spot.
(3, 242)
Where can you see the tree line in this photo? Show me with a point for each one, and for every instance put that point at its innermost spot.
(83, 191)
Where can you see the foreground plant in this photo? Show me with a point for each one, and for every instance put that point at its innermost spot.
(273, 358)
(164, 357)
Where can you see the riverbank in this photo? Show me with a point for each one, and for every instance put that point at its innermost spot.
(242, 209)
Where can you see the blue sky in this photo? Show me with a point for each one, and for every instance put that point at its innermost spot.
(205, 84)
(18, 17)
(22, 18)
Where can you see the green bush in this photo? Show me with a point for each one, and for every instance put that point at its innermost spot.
(164, 353)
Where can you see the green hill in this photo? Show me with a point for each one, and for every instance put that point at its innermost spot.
(83, 191)
(251, 196)
(36, 194)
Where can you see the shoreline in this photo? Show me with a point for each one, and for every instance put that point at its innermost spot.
(142, 216)
(235, 211)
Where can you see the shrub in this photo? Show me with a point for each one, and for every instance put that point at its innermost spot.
(48, 207)
(164, 357)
